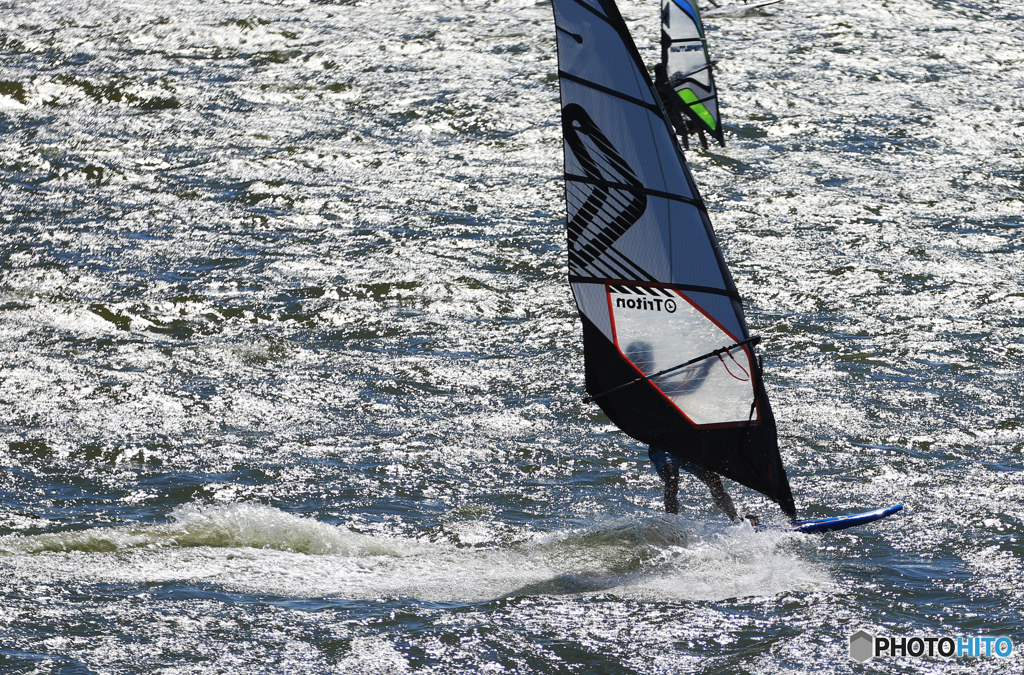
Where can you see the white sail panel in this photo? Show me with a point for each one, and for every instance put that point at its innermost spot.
(650, 243)
(685, 56)
(657, 330)
(578, 31)
(719, 306)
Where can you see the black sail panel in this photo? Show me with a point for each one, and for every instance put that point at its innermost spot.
(667, 351)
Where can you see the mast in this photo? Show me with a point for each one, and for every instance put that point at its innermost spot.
(667, 352)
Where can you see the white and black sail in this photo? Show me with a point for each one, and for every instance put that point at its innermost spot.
(690, 85)
(667, 352)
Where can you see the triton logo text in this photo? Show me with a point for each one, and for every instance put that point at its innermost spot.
(655, 304)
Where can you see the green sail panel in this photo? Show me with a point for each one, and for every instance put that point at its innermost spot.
(667, 352)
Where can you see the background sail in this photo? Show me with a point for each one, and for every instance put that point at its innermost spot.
(684, 52)
(736, 9)
(646, 270)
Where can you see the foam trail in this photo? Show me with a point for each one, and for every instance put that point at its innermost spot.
(259, 549)
(231, 526)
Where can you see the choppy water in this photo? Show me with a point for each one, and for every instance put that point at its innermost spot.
(290, 374)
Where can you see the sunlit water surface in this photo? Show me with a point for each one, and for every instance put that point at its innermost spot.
(291, 377)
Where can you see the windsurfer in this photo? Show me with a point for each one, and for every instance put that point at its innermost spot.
(670, 101)
(668, 467)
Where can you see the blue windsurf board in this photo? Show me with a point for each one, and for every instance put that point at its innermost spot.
(844, 522)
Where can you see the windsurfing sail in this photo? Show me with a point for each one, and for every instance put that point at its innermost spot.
(738, 10)
(667, 352)
(689, 84)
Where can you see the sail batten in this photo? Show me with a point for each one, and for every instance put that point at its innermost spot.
(653, 107)
(630, 188)
(615, 281)
(654, 294)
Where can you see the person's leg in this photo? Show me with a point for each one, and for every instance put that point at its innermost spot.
(670, 474)
(721, 497)
(666, 467)
(703, 141)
